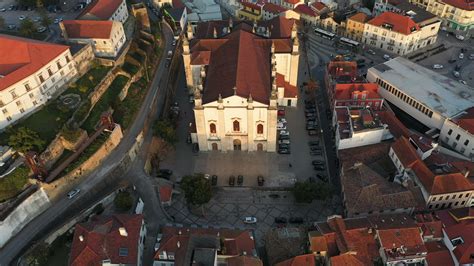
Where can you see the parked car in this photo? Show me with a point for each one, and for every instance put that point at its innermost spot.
(3, 10)
(281, 111)
(461, 56)
(71, 194)
(284, 151)
(195, 147)
(456, 74)
(296, 220)
(281, 126)
(284, 141)
(284, 133)
(316, 153)
(281, 220)
(260, 180)
(41, 29)
(463, 82)
(386, 57)
(283, 146)
(240, 180)
(173, 43)
(231, 180)
(165, 173)
(322, 177)
(250, 220)
(471, 56)
(214, 180)
(313, 143)
(457, 67)
(452, 61)
(11, 27)
(312, 132)
(437, 66)
(460, 37)
(360, 61)
(371, 52)
(314, 148)
(310, 127)
(310, 110)
(319, 167)
(274, 196)
(283, 137)
(317, 162)
(281, 120)
(22, 17)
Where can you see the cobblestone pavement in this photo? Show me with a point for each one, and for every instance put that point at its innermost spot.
(229, 206)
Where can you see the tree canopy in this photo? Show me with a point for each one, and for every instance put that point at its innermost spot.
(197, 189)
(123, 201)
(308, 191)
(27, 27)
(24, 139)
(165, 130)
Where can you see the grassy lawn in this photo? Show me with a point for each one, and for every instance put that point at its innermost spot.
(106, 101)
(88, 81)
(127, 109)
(13, 183)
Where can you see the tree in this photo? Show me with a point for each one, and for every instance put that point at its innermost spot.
(31, 3)
(157, 151)
(165, 130)
(27, 27)
(197, 189)
(24, 139)
(38, 256)
(307, 191)
(45, 19)
(123, 201)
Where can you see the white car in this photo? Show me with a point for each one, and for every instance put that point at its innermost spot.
(22, 17)
(463, 82)
(281, 126)
(56, 21)
(284, 141)
(284, 133)
(456, 74)
(460, 37)
(461, 56)
(173, 43)
(250, 220)
(41, 29)
(11, 27)
(3, 10)
(281, 120)
(437, 66)
(386, 57)
(73, 193)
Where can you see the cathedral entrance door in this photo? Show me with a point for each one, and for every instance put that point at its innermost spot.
(237, 145)
(214, 146)
(260, 147)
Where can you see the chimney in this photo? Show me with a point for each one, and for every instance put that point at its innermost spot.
(123, 231)
(81, 238)
(190, 32)
(215, 33)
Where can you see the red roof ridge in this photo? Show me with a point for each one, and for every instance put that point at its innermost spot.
(398, 22)
(85, 29)
(101, 9)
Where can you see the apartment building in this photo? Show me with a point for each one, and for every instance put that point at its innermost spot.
(106, 37)
(399, 33)
(271, 10)
(355, 26)
(31, 73)
(250, 11)
(115, 10)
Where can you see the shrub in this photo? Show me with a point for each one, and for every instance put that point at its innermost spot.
(123, 201)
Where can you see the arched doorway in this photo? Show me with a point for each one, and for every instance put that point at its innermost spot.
(214, 146)
(259, 147)
(237, 145)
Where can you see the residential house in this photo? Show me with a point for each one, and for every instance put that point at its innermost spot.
(271, 10)
(202, 11)
(307, 15)
(178, 17)
(115, 10)
(458, 133)
(399, 33)
(182, 246)
(106, 37)
(31, 73)
(291, 4)
(355, 26)
(109, 240)
(250, 11)
(401, 246)
(253, 70)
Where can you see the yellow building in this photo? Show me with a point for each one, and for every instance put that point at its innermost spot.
(250, 11)
(355, 26)
(457, 15)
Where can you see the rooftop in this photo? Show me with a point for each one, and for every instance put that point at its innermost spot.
(462, 4)
(441, 94)
(350, 91)
(342, 71)
(458, 226)
(360, 17)
(301, 260)
(100, 9)
(88, 29)
(395, 22)
(401, 242)
(417, 14)
(305, 10)
(273, 8)
(353, 121)
(318, 6)
(438, 254)
(113, 237)
(466, 120)
(20, 58)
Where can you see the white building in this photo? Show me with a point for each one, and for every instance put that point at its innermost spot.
(271, 10)
(398, 33)
(238, 91)
(31, 73)
(115, 10)
(107, 37)
(202, 10)
(438, 102)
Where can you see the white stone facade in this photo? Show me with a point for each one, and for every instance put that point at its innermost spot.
(121, 13)
(29, 94)
(457, 138)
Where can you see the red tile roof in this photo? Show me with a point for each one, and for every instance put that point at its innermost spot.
(396, 127)
(466, 121)
(20, 58)
(177, 4)
(408, 238)
(301, 260)
(165, 193)
(346, 259)
(318, 6)
(398, 22)
(274, 9)
(251, 5)
(359, 17)
(438, 254)
(235, 242)
(305, 10)
(462, 4)
(464, 229)
(429, 225)
(244, 261)
(101, 9)
(292, 2)
(346, 91)
(405, 152)
(88, 29)
(102, 240)
(290, 90)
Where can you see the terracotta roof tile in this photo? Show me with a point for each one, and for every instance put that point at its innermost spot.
(462, 4)
(359, 17)
(439, 257)
(466, 121)
(346, 260)
(102, 240)
(399, 23)
(165, 193)
(274, 9)
(20, 58)
(464, 229)
(293, 2)
(290, 90)
(244, 261)
(88, 29)
(345, 91)
(408, 238)
(101, 9)
(301, 260)
(251, 5)
(397, 128)
(318, 6)
(200, 58)
(306, 10)
(405, 152)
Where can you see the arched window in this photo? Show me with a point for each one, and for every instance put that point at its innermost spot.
(212, 128)
(236, 126)
(259, 129)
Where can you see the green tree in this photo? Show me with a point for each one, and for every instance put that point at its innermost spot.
(31, 3)
(197, 189)
(123, 201)
(24, 139)
(27, 27)
(2, 23)
(38, 256)
(307, 192)
(165, 130)
(45, 19)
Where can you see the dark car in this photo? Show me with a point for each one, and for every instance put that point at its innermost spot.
(315, 148)
(310, 114)
(260, 180)
(281, 220)
(360, 61)
(296, 220)
(274, 196)
(165, 173)
(319, 167)
(195, 147)
(284, 151)
(452, 61)
(312, 132)
(240, 180)
(317, 162)
(322, 177)
(283, 146)
(283, 137)
(214, 180)
(232, 180)
(310, 127)
(457, 68)
(313, 143)
(308, 101)
(315, 153)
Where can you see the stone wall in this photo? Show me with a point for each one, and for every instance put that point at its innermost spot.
(23, 214)
(100, 89)
(53, 152)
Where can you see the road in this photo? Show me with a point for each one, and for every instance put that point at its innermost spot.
(104, 178)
